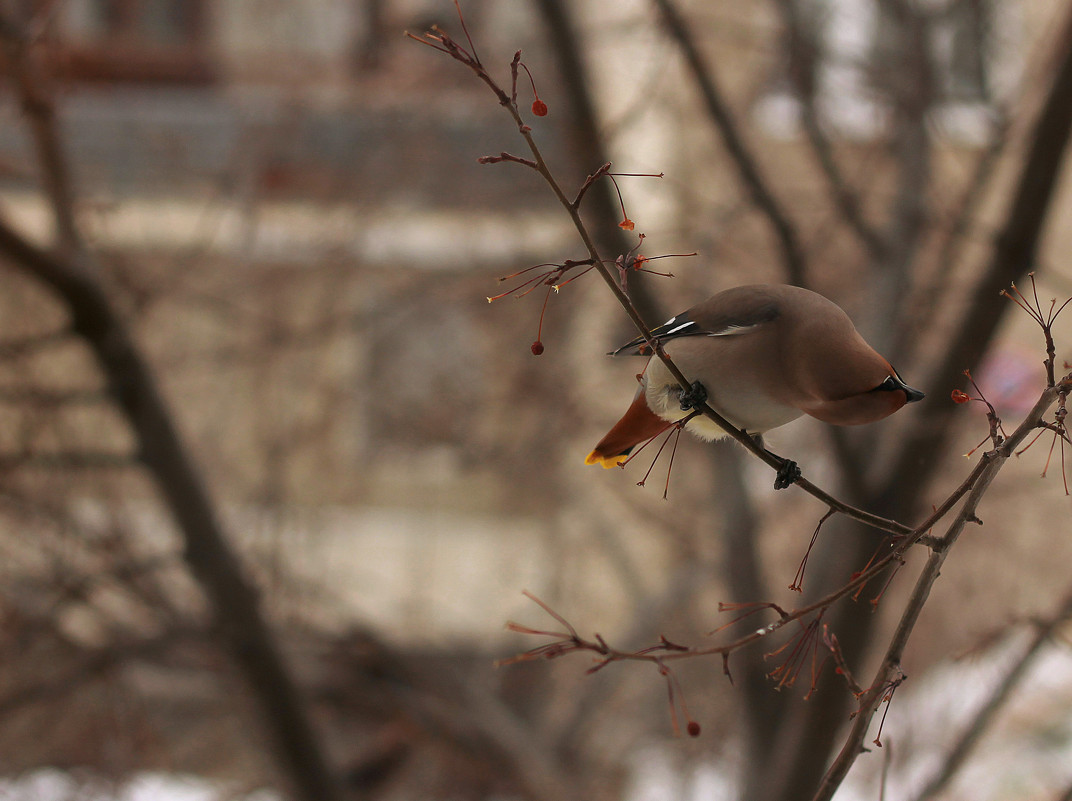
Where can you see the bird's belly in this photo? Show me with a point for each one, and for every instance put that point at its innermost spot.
(753, 412)
(748, 410)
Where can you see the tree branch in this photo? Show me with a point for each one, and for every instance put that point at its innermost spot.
(587, 141)
(441, 41)
(802, 53)
(234, 601)
(990, 464)
(748, 170)
(40, 110)
(1013, 255)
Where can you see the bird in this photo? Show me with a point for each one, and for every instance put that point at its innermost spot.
(761, 356)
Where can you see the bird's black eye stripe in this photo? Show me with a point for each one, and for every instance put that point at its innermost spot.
(895, 382)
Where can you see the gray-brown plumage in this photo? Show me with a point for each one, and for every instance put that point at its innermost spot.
(765, 354)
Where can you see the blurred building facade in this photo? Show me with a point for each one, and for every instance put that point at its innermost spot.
(286, 203)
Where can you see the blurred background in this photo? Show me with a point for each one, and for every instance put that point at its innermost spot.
(282, 203)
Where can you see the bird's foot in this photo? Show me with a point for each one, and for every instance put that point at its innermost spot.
(788, 474)
(692, 398)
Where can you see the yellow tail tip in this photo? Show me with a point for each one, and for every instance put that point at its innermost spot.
(606, 462)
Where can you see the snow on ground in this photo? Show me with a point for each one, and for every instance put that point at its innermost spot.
(49, 784)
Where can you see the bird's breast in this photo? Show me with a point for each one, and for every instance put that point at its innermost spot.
(744, 404)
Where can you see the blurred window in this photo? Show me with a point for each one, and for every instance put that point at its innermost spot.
(131, 41)
(856, 54)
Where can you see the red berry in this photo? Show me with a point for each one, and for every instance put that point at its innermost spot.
(537, 348)
(539, 108)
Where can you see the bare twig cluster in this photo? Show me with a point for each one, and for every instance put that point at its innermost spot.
(442, 41)
(72, 277)
(813, 644)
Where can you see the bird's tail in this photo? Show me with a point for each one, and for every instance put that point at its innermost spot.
(638, 424)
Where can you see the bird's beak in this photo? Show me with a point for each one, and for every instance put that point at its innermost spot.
(895, 382)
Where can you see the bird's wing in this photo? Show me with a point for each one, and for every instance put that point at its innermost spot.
(704, 321)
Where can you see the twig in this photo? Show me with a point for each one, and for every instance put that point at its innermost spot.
(990, 464)
(439, 40)
(570, 641)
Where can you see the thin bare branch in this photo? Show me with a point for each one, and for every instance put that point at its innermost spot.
(442, 42)
(803, 51)
(991, 463)
(748, 170)
(1012, 256)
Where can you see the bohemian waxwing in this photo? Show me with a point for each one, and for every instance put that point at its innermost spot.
(765, 355)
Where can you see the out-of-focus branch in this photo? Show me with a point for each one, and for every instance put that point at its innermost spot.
(90, 667)
(910, 82)
(67, 460)
(742, 571)
(37, 103)
(1012, 256)
(234, 601)
(35, 343)
(803, 51)
(161, 449)
(1045, 629)
(748, 170)
(953, 236)
(34, 396)
(476, 721)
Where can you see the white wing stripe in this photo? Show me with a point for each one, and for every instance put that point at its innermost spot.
(731, 330)
(677, 328)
